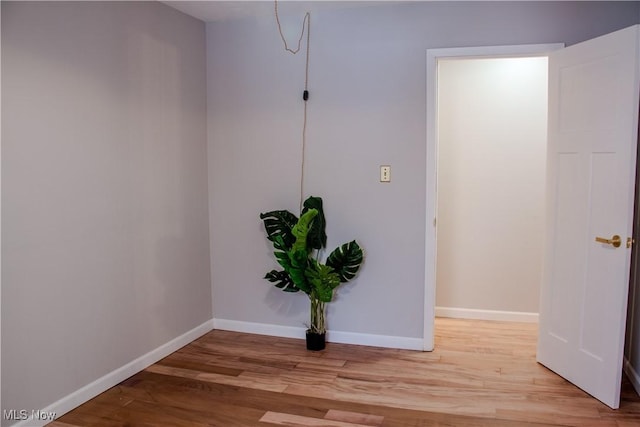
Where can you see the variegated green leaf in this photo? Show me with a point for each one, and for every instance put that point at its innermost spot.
(278, 225)
(323, 279)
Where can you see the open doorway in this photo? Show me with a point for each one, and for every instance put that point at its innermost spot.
(491, 157)
(592, 141)
(434, 56)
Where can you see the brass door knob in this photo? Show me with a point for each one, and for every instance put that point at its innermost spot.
(614, 241)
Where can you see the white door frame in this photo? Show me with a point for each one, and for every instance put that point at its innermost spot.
(432, 155)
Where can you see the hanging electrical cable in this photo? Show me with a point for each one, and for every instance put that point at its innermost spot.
(306, 24)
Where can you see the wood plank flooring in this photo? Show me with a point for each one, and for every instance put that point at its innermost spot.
(481, 374)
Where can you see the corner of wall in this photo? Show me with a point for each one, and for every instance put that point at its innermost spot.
(111, 379)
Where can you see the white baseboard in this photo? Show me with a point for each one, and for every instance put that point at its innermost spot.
(388, 341)
(259, 328)
(468, 313)
(100, 385)
(407, 343)
(632, 374)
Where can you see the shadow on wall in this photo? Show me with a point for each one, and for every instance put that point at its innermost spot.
(291, 305)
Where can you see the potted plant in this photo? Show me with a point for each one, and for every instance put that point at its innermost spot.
(298, 243)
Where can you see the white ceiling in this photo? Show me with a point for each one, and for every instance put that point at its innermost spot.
(216, 10)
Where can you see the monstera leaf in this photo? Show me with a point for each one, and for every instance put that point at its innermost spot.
(278, 225)
(283, 259)
(296, 260)
(301, 230)
(323, 279)
(299, 261)
(281, 280)
(346, 260)
(317, 238)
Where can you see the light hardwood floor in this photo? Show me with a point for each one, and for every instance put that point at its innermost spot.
(480, 374)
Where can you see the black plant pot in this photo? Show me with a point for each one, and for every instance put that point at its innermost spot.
(315, 341)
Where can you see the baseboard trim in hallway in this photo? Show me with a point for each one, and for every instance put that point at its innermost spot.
(503, 316)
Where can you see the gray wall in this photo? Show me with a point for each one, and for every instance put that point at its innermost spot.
(367, 108)
(105, 240)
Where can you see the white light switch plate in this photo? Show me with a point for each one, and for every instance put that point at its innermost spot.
(385, 173)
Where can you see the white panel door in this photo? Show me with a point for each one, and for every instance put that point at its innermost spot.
(593, 130)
